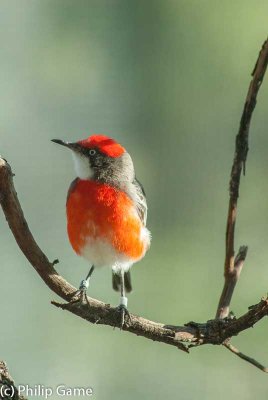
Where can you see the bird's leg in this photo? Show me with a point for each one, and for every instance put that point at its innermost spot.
(82, 291)
(122, 308)
(85, 284)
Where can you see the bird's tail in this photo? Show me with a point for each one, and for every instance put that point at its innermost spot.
(127, 282)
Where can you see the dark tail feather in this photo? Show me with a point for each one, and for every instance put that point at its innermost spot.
(116, 282)
(127, 281)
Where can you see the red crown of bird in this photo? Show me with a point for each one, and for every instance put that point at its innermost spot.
(105, 144)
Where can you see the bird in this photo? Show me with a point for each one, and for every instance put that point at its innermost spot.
(106, 211)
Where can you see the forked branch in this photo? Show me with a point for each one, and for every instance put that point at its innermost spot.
(183, 337)
(233, 266)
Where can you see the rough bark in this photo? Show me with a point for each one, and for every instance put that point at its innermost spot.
(8, 389)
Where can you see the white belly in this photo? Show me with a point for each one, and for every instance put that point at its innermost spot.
(101, 253)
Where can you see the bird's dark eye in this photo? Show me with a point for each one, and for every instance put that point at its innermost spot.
(92, 152)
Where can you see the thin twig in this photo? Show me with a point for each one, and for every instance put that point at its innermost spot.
(234, 350)
(231, 272)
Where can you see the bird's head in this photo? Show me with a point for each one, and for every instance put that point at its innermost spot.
(100, 157)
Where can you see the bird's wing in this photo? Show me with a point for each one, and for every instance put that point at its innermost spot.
(72, 187)
(141, 203)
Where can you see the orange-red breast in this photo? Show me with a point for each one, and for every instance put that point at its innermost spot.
(106, 211)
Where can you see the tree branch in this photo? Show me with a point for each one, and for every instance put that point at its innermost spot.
(8, 389)
(232, 267)
(250, 360)
(182, 337)
(230, 282)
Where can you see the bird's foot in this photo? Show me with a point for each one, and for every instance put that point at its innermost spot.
(122, 309)
(80, 296)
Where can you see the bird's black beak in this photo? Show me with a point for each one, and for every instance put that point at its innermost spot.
(58, 141)
(72, 146)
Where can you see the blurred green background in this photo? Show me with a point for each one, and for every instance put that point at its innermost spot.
(168, 80)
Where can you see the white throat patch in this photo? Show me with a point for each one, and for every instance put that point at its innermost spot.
(82, 166)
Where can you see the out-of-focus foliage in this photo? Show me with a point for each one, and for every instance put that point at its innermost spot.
(168, 79)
